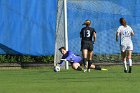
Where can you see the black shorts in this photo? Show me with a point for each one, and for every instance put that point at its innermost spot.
(87, 45)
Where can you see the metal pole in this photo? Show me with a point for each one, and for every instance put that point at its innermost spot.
(65, 28)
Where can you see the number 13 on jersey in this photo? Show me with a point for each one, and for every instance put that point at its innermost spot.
(86, 33)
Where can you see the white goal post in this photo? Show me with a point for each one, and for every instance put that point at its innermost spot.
(61, 32)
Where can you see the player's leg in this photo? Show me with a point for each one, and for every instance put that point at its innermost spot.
(92, 66)
(130, 48)
(130, 60)
(90, 55)
(123, 55)
(97, 67)
(84, 53)
(76, 66)
(90, 60)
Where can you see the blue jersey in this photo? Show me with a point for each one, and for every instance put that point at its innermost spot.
(71, 57)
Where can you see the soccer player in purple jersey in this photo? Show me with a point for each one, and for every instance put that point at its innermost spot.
(75, 60)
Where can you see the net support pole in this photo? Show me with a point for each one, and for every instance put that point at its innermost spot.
(65, 30)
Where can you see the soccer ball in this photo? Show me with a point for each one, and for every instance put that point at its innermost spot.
(56, 68)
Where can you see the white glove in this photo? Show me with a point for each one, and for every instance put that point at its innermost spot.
(63, 59)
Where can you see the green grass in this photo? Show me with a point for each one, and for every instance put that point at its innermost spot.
(44, 80)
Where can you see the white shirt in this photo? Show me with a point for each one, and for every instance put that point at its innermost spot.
(125, 34)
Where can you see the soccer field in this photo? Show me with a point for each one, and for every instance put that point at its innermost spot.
(44, 80)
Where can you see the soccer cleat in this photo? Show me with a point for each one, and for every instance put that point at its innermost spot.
(88, 70)
(103, 69)
(85, 69)
(125, 71)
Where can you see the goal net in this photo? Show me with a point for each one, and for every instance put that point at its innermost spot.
(104, 16)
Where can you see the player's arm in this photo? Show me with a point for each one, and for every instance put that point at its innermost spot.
(65, 58)
(61, 63)
(94, 36)
(81, 33)
(117, 35)
(132, 33)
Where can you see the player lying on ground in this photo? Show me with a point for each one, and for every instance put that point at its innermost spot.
(76, 61)
(125, 32)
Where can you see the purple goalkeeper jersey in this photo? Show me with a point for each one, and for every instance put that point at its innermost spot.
(71, 57)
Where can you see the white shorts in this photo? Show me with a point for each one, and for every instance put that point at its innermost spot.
(126, 47)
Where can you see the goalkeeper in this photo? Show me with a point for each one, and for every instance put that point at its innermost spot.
(75, 60)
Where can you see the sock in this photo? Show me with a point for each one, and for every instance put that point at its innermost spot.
(130, 62)
(130, 69)
(84, 61)
(79, 68)
(89, 63)
(125, 65)
(97, 67)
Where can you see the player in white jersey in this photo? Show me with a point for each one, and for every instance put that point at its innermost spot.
(125, 32)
